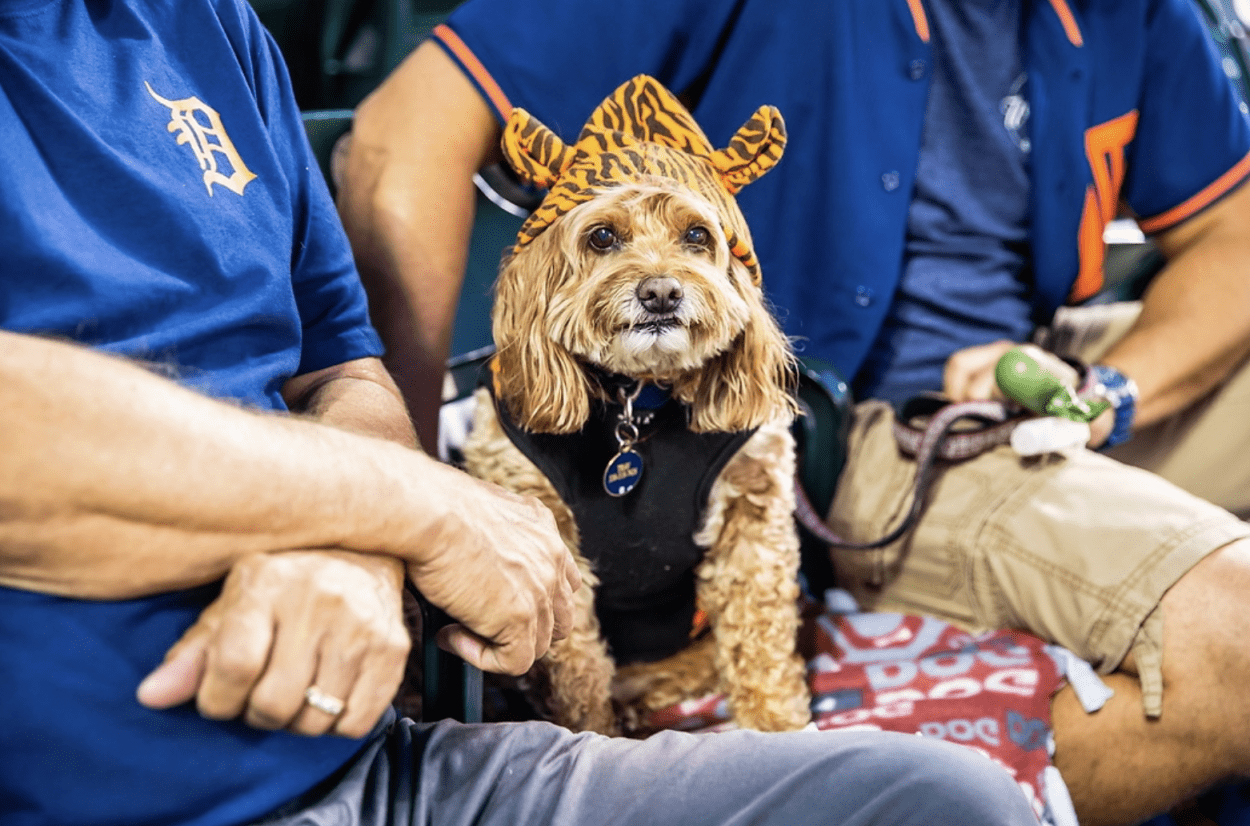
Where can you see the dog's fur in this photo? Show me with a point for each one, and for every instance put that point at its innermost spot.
(562, 305)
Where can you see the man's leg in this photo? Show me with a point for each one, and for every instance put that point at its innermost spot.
(1122, 767)
(1079, 550)
(537, 774)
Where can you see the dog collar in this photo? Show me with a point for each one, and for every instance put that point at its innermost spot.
(651, 396)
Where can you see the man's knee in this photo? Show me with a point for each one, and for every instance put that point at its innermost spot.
(1206, 616)
(927, 781)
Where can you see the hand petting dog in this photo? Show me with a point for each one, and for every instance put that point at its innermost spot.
(643, 391)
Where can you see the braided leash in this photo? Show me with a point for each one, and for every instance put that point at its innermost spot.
(934, 441)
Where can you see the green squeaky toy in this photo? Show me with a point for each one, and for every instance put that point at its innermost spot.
(1024, 380)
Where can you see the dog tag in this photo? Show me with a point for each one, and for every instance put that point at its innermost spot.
(622, 473)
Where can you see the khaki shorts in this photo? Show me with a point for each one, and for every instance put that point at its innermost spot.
(1076, 548)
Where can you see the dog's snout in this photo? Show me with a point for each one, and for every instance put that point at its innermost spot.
(659, 293)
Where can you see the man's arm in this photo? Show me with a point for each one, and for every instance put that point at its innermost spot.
(285, 621)
(1194, 327)
(407, 200)
(358, 395)
(116, 483)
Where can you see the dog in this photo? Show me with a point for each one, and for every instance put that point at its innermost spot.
(643, 391)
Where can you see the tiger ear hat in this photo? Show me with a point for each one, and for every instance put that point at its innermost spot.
(641, 130)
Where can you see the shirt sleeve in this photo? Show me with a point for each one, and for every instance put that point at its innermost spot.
(1192, 136)
(560, 58)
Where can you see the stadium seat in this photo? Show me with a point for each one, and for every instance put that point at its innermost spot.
(337, 51)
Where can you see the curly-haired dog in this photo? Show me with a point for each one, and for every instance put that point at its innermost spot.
(643, 391)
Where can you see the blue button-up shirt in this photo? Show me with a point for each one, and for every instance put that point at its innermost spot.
(1128, 102)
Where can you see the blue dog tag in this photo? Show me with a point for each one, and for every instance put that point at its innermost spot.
(622, 473)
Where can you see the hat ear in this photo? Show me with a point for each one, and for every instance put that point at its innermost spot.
(753, 150)
(534, 151)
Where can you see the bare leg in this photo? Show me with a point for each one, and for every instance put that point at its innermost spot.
(1121, 767)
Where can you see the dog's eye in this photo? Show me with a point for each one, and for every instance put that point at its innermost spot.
(698, 236)
(602, 238)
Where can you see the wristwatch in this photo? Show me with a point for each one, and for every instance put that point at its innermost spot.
(1108, 383)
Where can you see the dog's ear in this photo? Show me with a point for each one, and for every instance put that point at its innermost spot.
(753, 150)
(540, 383)
(534, 151)
(750, 383)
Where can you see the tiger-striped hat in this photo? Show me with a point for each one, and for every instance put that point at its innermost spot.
(641, 130)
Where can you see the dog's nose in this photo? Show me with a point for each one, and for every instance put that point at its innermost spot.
(659, 293)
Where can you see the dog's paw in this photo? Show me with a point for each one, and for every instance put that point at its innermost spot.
(596, 718)
(779, 716)
(782, 703)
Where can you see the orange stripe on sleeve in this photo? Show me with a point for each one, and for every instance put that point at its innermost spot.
(921, 21)
(1203, 199)
(475, 68)
(1069, 22)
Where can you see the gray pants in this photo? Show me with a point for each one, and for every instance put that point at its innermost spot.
(527, 774)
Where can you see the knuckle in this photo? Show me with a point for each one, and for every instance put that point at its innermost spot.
(332, 602)
(389, 657)
(515, 667)
(271, 706)
(397, 645)
(344, 658)
(235, 666)
(524, 618)
(517, 659)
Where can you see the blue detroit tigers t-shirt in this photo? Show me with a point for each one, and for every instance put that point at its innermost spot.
(159, 201)
(965, 279)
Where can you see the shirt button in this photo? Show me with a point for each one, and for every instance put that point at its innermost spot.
(863, 296)
(916, 69)
(889, 181)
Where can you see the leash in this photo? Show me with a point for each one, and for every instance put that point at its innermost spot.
(993, 421)
(937, 439)
(1064, 422)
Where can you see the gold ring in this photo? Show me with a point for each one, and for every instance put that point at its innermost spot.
(321, 701)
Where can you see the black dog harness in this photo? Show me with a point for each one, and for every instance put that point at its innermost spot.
(640, 543)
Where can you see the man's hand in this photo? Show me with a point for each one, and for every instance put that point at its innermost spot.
(969, 373)
(285, 622)
(498, 566)
(969, 376)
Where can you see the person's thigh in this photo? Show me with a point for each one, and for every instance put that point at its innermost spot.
(536, 773)
(1075, 548)
(504, 774)
(1205, 448)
